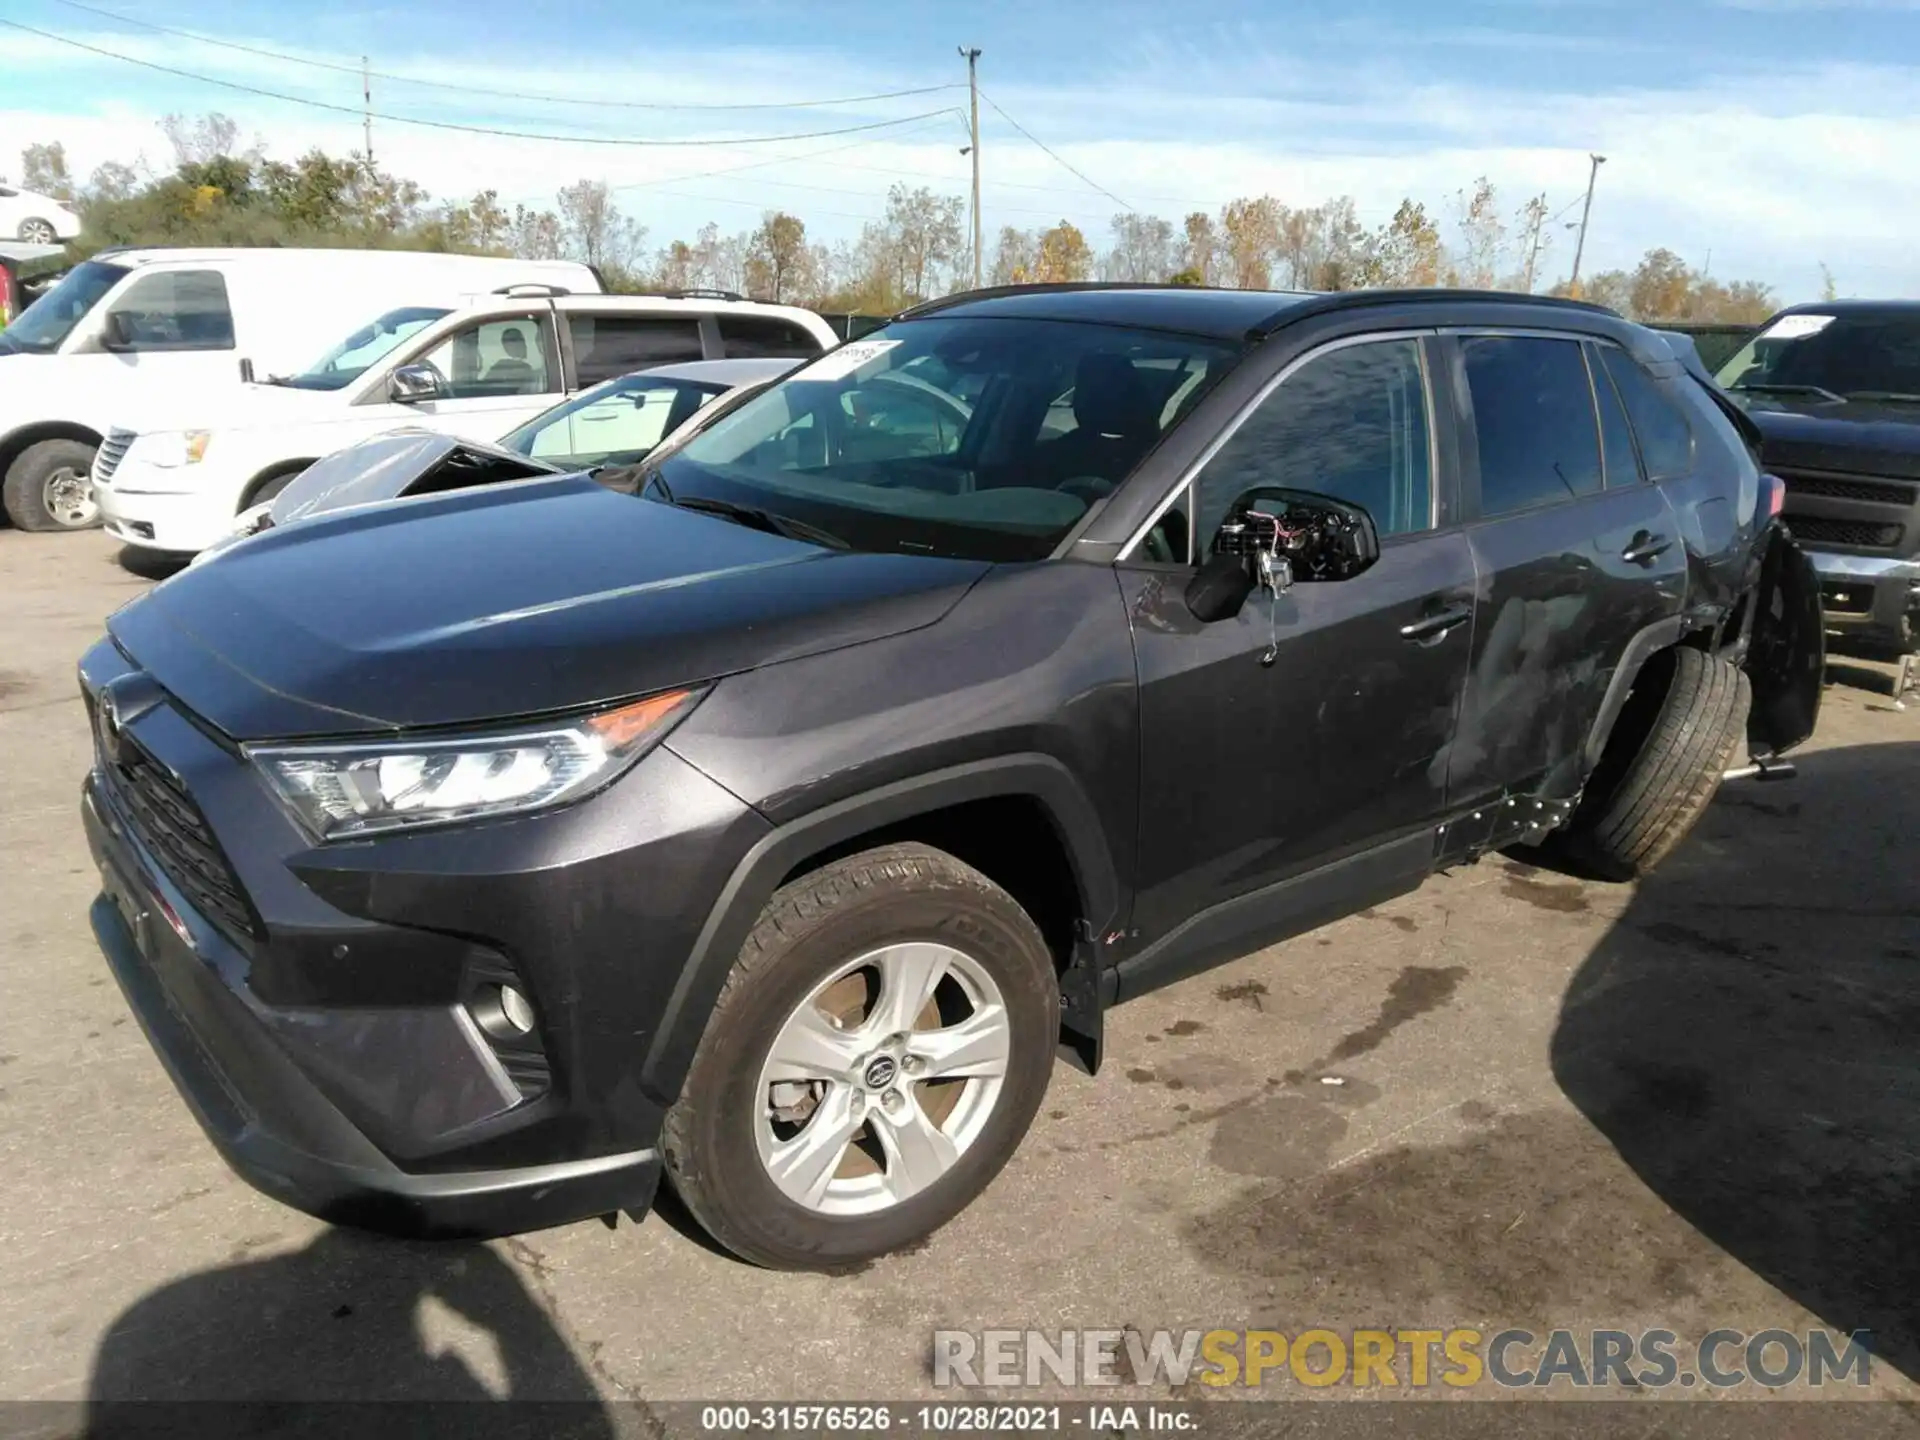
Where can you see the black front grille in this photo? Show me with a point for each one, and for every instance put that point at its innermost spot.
(1846, 487)
(1864, 533)
(169, 825)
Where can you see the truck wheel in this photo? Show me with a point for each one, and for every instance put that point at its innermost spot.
(1671, 745)
(873, 1060)
(47, 487)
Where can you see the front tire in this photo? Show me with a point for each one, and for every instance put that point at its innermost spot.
(874, 1059)
(48, 487)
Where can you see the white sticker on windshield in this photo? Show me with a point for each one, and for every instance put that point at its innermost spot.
(839, 364)
(1795, 327)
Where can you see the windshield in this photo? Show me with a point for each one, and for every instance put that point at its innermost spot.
(969, 437)
(1847, 357)
(351, 358)
(50, 319)
(612, 424)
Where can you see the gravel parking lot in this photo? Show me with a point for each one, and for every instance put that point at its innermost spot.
(1512, 1099)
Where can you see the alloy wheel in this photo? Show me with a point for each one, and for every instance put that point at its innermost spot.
(880, 1080)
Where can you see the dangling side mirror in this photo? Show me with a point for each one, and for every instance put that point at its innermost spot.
(1219, 588)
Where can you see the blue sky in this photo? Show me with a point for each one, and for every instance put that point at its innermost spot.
(1763, 136)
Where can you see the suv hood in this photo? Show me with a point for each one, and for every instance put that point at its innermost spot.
(504, 601)
(1858, 437)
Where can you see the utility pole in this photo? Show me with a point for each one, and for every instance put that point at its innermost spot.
(366, 100)
(973, 126)
(1580, 246)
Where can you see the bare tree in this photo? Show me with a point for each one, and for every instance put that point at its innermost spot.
(1013, 257)
(43, 168)
(1202, 252)
(1143, 249)
(1482, 236)
(212, 136)
(593, 228)
(920, 236)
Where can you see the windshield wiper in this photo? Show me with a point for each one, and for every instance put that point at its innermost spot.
(759, 519)
(1819, 391)
(1890, 397)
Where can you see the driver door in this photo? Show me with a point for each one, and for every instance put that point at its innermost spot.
(496, 375)
(1334, 754)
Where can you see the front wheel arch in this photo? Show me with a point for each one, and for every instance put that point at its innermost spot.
(282, 473)
(791, 849)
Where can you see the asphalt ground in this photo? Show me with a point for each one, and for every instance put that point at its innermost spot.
(1514, 1099)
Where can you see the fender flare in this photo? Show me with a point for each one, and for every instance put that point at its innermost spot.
(22, 437)
(1641, 648)
(759, 873)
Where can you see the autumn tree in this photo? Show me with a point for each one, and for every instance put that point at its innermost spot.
(1201, 250)
(1404, 251)
(1483, 233)
(1061, 255)
(777, 256)
(1251, 231)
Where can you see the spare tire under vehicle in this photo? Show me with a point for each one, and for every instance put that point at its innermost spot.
(1671, 745)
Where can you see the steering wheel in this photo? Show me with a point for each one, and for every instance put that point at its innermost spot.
(1086, 487)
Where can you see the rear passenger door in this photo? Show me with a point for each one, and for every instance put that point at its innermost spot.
(1577, 555)
(604, 344)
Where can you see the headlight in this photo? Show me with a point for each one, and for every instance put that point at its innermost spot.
(340, 791)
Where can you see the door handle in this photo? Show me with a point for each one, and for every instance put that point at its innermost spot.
(1644, 548)
(1436, 625)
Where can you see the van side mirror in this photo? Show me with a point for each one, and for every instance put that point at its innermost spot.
(116, 331)
(411, 384)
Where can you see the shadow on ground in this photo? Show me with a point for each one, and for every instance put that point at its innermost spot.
(1748, 1037)
(150, 564)
(350, 1318)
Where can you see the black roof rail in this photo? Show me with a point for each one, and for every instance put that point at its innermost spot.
(698, 293)
(532, 287)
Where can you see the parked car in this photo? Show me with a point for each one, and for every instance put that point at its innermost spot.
(475, 862)
(25, 271)
(1835, 390)
(607, 431)
(176, 481)
(177, 329)
(35, 218)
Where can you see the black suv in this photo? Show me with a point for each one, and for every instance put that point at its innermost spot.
(1835, 390)
(769, 820)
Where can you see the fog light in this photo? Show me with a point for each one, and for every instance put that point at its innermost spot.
(515, 1010)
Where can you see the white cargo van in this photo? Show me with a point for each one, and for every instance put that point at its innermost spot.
(139, 326)
(173, 477)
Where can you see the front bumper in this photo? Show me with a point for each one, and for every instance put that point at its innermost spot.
(1869, 599)
(333, 1052)
(178, 521)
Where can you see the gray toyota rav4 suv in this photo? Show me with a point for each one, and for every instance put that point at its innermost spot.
(766, 817)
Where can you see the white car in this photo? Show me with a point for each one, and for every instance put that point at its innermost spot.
(607, 431)
(176, 482)
(38, 219)
(163, 327)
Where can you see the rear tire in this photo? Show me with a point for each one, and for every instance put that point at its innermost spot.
(1670, 747)
(47, 487)
(894, 899)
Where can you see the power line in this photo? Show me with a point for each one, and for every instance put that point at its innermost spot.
(454, 125)
(547, 99)
(1056, 155)
(808, 158)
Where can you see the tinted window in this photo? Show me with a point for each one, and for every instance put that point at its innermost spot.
(1533, 416)
(509, 356)
(1351, 424)
(46, 322)
(176, 310)
(1666, 440)
(764, 335)
(926, 437)
(1853, 354)
(1616, 435)
(608, 345)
